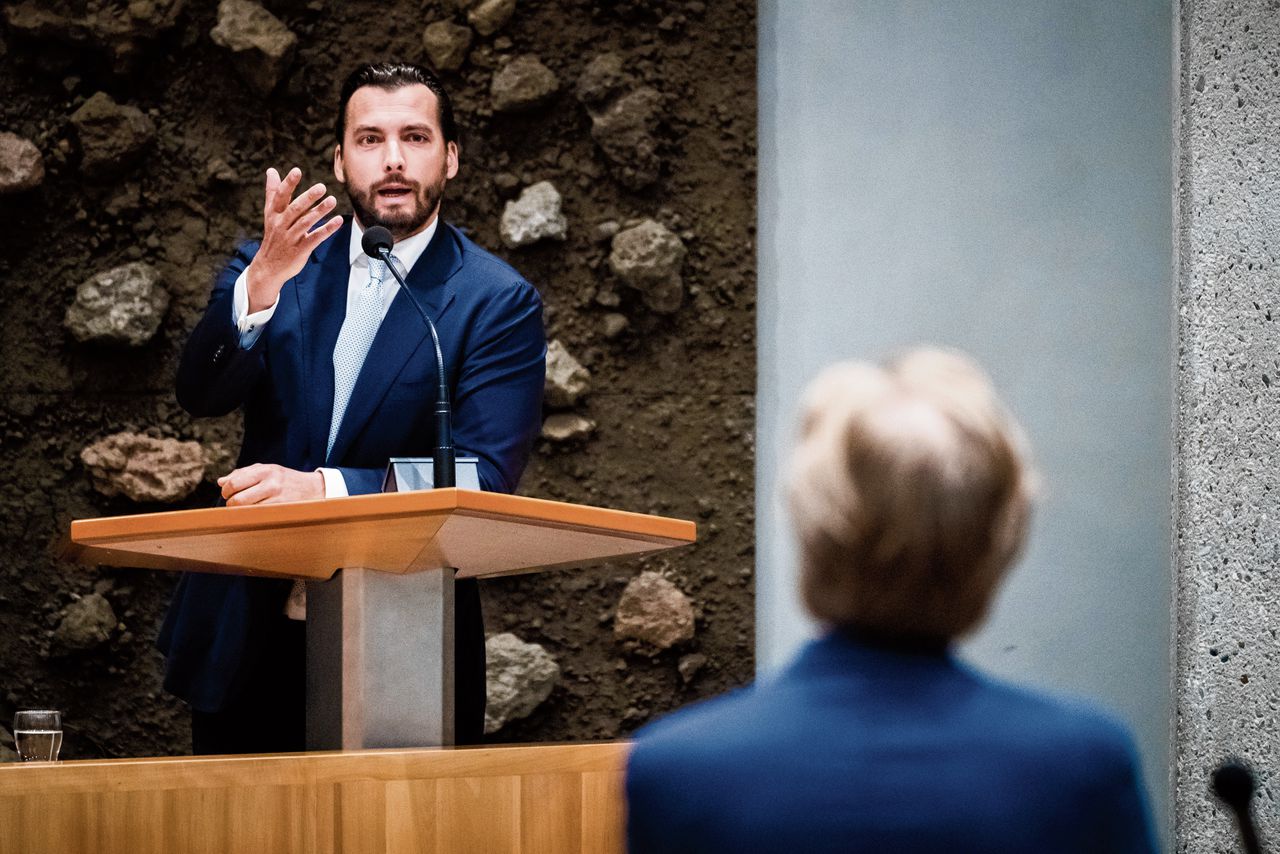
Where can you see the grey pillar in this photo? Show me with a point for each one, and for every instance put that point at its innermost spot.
(380, 660)
(992, 175)
(1227, 425)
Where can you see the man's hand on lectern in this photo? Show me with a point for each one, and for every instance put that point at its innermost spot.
(263, 483)
(287, 235)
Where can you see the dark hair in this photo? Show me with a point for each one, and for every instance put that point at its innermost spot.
(393, 75)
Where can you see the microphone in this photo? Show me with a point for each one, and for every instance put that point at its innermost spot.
(1233, 784)
(377, 243)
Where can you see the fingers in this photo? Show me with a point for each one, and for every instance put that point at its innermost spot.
(273, 184)
(240, 479)
(302, 204)
(319, 235)
(311, 217)
(256, 494)
(251, 484)
(285, 191)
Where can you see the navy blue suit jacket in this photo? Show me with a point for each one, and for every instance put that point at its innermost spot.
(861, 748)
(490, 324)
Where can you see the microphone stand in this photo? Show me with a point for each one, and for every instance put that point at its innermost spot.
(444, 473)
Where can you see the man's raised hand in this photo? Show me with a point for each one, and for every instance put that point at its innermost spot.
(288, 238)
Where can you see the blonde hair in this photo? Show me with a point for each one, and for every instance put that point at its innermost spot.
(910, 492)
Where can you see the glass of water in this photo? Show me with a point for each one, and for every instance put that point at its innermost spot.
(37, 735)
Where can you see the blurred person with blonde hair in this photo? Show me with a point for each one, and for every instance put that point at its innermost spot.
(910, 491)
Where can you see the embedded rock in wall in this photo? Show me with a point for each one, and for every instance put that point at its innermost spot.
(613, 325)
(123, 305)
(489, 16)
(85, 623)
(261, 45)
(690, 665)
(626, 132)
(605, 231)
(648, 258)
(446, 44)
(519, 675)
(126, 199)
(120, 30)
(522, 84)
(653, 610)
(534, 216)
(506, 184)
(21, 164)
(567, 427)
(113, 137)
(143, 468)
(603, 76)
(566, 381)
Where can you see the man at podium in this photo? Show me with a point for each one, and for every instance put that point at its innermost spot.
(334, 371)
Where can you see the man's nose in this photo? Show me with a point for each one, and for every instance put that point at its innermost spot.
(393, 157)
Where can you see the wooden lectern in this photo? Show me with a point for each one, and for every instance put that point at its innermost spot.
(379, 572)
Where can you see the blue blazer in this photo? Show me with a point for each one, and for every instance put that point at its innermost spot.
(863, 748)
(490, 324)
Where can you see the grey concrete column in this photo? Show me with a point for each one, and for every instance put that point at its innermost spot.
(1227, 425)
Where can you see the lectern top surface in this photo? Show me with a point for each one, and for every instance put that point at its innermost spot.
(479, 533)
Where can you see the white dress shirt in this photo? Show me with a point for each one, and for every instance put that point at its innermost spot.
(406, 251)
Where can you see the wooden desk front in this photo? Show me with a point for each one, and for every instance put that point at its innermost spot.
(508, 800)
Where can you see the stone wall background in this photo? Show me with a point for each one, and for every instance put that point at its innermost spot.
(1227, 474)
(137, 134)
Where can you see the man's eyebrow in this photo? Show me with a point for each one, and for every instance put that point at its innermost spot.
(419, 128)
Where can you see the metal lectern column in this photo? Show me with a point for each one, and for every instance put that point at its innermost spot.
(380, 660)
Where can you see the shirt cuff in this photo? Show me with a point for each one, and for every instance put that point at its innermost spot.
(250, 325)
(335, 485)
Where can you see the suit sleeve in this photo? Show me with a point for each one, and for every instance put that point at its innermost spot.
(360, 481)
(216, 374)
(498, 403)
(497, 400)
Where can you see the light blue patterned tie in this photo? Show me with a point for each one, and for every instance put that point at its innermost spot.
(359, 328)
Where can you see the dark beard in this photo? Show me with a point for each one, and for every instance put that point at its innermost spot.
(400, 225)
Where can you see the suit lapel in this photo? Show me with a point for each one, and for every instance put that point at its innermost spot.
(322, 305)
(400, 335)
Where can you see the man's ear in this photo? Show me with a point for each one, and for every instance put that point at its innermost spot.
(337, 164)
(451, 159)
